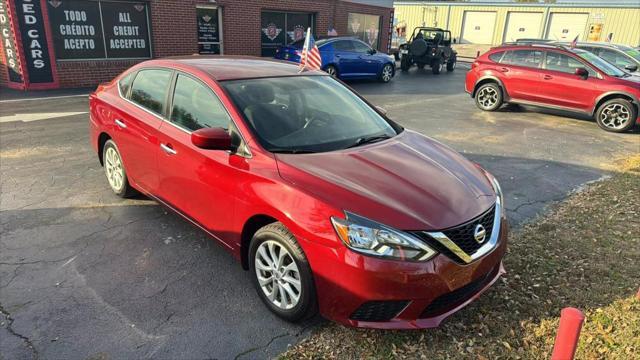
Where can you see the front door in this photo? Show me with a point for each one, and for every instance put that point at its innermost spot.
(209, 22)
(200, 183)
(561, 87)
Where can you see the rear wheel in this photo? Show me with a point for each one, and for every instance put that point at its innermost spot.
(331, 70)
(436, 66)
(616, 115)
(404, 64)
(114, 170)
(281, 273)
(387, 73)
(489, 97)
(451, 65)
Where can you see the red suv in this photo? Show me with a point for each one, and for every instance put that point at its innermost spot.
(556, 77)
(328, 203)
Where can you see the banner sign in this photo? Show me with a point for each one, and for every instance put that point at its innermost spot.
(100, 29)
(208, 30)
(8, 46)
(35, 45)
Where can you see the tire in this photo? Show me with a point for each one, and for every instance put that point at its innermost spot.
(274, 238)
(616, 115)
(418, 48)
(386, 74)
(451, 65)
(332, 70)
(488, 97)
(114, 171)
(436, 66)
(404, 64)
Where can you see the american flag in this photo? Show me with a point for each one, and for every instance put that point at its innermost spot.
(574, 43)
(310, 58)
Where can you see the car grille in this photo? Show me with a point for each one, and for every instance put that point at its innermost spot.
(462, 235)
(448, 301)
(378, 310)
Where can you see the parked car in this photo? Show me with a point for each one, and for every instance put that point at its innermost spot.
(346, 58)
(428, 46)
(329, 204)
(623, 57)
(555, 76)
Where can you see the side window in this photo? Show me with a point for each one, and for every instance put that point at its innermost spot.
(125, 84)
(496, 57)
(343, 45)
(528, 58)
(564, 63)
(361, 48)
(149, 89)
(195, 106)
(615, 58)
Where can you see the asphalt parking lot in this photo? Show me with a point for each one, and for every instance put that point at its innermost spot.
(85, 274)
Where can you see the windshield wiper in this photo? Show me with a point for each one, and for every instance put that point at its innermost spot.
(291, 151)
(368, 140)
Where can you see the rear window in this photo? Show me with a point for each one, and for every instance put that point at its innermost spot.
(149, 89)
(496, 57)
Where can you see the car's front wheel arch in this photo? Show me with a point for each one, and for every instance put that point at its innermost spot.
(251, 226)
(612, 96)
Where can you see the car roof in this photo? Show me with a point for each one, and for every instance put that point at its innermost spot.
(222, 68)
(541, 46)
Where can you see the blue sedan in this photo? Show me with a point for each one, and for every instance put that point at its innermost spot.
(346, 58)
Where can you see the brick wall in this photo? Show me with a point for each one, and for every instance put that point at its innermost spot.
(173, 32)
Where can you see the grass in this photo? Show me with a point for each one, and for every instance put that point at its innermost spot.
(584, 252)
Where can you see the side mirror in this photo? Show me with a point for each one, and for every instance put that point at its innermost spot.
(582, 72)
(631, 68)
(211, 139)
(382, 110)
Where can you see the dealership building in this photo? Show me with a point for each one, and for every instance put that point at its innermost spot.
(487, 23)
(76, 43)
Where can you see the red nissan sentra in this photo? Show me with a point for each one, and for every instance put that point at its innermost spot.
(329, 204)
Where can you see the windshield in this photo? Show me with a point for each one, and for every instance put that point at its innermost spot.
(307, 114)
(430, 34)
(601, 64)
(631, 52)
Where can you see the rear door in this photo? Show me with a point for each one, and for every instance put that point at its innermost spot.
(520, 73)
(561, 87)
(200, 183)
(137, 123)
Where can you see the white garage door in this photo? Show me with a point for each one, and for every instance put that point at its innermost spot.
(477, 27)
(565, 27)
(522, 25)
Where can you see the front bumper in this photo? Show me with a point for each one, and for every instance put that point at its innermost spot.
(419, 294)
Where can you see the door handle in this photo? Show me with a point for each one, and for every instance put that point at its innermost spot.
(547, 77)
(504, 70)
(120, 123)
(168, 149)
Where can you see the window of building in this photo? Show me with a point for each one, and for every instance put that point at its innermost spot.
(365, 27)
(150, 88)
(283, 28)
(196, 107)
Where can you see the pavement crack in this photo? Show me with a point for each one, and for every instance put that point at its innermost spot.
(260, 347)
(9, 326)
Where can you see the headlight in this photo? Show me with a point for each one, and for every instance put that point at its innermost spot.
(371, 238)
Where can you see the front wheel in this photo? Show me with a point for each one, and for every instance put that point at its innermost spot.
(489, 97)
(436, 66)
(281, 273)
(387, 73)
(617, 115)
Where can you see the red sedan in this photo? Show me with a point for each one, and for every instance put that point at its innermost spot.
(557, 77)
(330, 205)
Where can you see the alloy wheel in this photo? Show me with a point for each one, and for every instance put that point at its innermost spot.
(331, 71)
(487, 97)
(387, 73)
(278, 275)
(114, 169)
(615, 116)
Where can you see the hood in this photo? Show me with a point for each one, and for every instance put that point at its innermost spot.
(409, 182)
